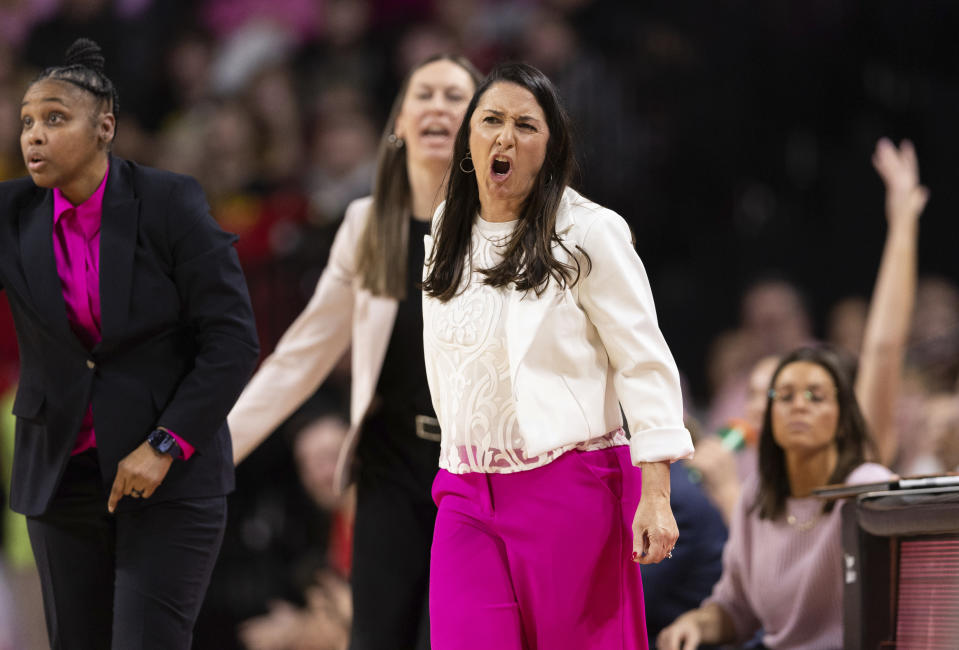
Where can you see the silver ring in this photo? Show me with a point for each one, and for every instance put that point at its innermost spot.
(135, 493)
(669, 554)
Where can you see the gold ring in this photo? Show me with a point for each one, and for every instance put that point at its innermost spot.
(136, 493)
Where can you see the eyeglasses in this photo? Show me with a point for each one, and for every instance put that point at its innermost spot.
(787, 395)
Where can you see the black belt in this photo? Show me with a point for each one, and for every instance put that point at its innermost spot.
(427, 427)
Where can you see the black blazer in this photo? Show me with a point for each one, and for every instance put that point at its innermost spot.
(178, 343)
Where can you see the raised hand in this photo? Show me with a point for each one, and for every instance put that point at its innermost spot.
(899, 170)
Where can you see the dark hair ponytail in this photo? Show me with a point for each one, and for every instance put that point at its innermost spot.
(84, 67)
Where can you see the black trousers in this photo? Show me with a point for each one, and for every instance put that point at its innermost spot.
(392, 534)
(130, 581)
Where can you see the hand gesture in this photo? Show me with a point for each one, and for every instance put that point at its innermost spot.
(654, 527)
(139, 474)
(899, 170)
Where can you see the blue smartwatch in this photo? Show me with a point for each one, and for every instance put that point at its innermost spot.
(164, 442)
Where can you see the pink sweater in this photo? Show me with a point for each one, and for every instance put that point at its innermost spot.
(783, 578)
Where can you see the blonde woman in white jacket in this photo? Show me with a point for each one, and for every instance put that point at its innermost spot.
(369, 295)
(538, 325)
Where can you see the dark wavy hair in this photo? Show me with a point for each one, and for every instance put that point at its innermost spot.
(852, 435)
(83, 67)
(383, 246)
(528, 259)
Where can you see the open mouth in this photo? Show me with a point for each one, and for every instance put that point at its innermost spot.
(34, 161)
(501, 167)
(435, 132)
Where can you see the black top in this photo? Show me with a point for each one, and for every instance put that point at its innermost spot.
(402, 386)
(389, 444)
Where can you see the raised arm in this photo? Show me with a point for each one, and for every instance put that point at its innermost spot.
(890, 310)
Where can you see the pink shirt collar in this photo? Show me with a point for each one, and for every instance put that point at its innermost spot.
(89, 209)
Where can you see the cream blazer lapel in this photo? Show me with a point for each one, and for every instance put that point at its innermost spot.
(527, 310)
(373, 321)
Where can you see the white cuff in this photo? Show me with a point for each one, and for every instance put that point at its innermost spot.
(655, 445)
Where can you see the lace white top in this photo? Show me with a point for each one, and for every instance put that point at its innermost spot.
(475, 401)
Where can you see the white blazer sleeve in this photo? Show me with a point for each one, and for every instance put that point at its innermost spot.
(618, 301)
(308, 350)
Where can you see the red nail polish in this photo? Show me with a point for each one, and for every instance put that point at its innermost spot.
(635, 555)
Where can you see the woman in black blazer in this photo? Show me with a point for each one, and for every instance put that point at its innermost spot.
(136, 335)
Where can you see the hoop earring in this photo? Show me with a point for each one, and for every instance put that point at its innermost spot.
(472, 167)
(396, 141)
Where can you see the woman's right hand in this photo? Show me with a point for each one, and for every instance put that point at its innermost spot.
(899, 169)
(683, 634)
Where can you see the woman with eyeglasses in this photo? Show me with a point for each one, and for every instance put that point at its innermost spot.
(782, 563)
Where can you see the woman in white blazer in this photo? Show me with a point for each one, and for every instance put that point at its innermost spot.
(539, 325)
(369, 295)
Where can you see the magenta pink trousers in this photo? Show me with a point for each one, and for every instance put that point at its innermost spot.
(539, 559)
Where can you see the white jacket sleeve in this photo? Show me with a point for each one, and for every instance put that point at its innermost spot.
(308, 350)
(617, 299)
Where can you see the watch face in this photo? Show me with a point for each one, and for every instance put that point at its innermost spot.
(161, 441)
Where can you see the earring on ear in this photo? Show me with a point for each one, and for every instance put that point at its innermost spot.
(396, 141)
(463, 161)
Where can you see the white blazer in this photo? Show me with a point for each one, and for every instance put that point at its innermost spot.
(577, 353)
(341, 310)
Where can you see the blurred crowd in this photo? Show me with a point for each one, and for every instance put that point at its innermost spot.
(734, 137)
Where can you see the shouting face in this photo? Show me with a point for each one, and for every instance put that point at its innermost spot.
(508, 138)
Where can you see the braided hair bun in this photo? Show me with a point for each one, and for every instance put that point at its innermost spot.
(85, 53)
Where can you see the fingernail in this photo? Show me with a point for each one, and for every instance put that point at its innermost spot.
(635, 555)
